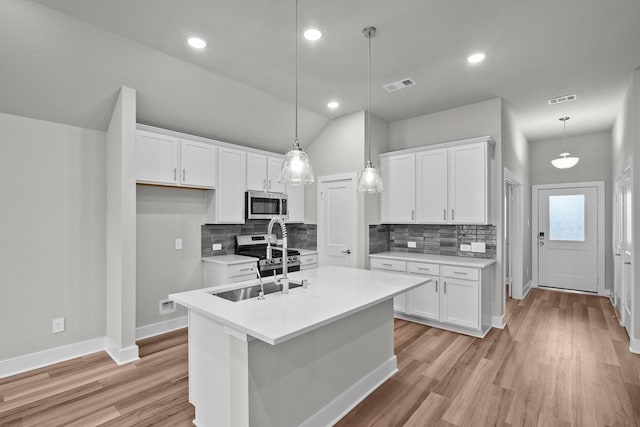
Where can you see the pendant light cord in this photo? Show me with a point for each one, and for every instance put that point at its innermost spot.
(564, 132)
(296, 142)
(369, 100)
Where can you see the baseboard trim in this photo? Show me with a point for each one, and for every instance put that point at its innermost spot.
(43, 358)
(604, 292)
(161, 327)
(341, 405)
(634, 346)
(527, 288)
(498, 322)
(121, 355)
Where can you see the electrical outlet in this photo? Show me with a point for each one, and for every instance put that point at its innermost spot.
(57, 325)
(465, 247)
(411, 244)
(167, 306)
(216, 247)
(178, 244)
(479, 247)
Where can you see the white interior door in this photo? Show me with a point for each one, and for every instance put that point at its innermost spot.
(568, 238)
(626, 252)
(337, 232)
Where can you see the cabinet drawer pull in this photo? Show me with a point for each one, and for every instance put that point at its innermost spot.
(387, 265)
(247, 269)
(460, 272)
(424, 268)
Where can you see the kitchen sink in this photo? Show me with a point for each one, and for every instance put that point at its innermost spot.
(248, 292)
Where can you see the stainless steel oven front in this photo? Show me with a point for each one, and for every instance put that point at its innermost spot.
(262, 205)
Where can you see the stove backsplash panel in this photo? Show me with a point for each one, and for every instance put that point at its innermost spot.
(432, 239)
(302, 236)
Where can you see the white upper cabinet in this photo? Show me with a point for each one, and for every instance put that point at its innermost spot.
(229, 203)
(445, 185)
(397, 201)
(431, 187)
(157, 158)
(198, 164)
(295, 203)
(263, 173)
(469, 184)
(167, 160)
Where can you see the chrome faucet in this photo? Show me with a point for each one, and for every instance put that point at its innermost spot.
(284, 280)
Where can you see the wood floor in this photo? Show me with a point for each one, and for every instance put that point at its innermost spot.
(562, 360)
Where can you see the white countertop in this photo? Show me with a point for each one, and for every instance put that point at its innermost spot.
(437, 259)
(229, 259)
(304, 252)
(333, 293)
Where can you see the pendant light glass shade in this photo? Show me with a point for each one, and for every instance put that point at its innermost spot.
(564, 161)
(296, 168)
(369, 181)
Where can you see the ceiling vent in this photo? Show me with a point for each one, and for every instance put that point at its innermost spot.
(561, 99)
(400, 84)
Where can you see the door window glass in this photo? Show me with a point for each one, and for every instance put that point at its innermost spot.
(566, 217)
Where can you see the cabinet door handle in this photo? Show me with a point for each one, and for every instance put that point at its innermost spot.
(617, 254)
(264, 184)
(436, 286)
(269, 185)
(453, 215)
(445, 287)
(175, 172)
(444, 214)
(627, 262)
(413, 214)
(184, 174)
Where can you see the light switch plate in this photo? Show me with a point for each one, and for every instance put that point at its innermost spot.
(479, 247)
(178, 244)
(465, 248)
(216, 247)
(411, 244)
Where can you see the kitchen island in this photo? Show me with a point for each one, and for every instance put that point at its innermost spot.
(302, 358)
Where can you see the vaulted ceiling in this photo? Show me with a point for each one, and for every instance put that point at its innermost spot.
(64, 59)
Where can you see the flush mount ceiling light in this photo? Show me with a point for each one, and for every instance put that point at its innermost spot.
(564, 161)
(369, 181)
(196, 42)
(296, 169)
(333, 105)
(312, 34)
(476, 57)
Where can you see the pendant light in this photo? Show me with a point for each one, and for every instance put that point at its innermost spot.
(369, 180)
(296, 169)
(564, 161)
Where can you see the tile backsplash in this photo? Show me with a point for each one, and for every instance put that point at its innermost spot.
(303, 236)
(432, 239)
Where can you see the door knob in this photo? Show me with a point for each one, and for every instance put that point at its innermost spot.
(348, 251)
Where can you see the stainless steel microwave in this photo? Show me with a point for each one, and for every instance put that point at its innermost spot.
(261, 205)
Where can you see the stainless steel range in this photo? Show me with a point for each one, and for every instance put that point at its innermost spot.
(255, 245)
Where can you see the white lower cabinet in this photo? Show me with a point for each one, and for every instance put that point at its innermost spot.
(457, 298)
(307, 262)
(217, 274)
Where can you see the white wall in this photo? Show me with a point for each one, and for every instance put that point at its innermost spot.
(625, 146)
(52, 223)
(479, 119)
(515, 150)
(594, 151)
(121, 229)
(163, 215)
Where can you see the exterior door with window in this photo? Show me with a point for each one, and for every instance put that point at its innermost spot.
(568, 238)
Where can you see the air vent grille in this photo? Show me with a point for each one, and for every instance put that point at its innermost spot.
(400, 84)
(561, 99)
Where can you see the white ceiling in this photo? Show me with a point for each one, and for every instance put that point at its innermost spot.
(535, 50)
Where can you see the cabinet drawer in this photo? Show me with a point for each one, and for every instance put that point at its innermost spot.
(467, 273)
(308, 259)
(243, 269)
(423, 268)
(388, 264)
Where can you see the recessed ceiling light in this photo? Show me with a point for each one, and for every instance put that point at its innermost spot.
(333, 105)
(312, 34)
(196, 42)
(476, 57)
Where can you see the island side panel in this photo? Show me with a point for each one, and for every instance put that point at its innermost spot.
(314, 379)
